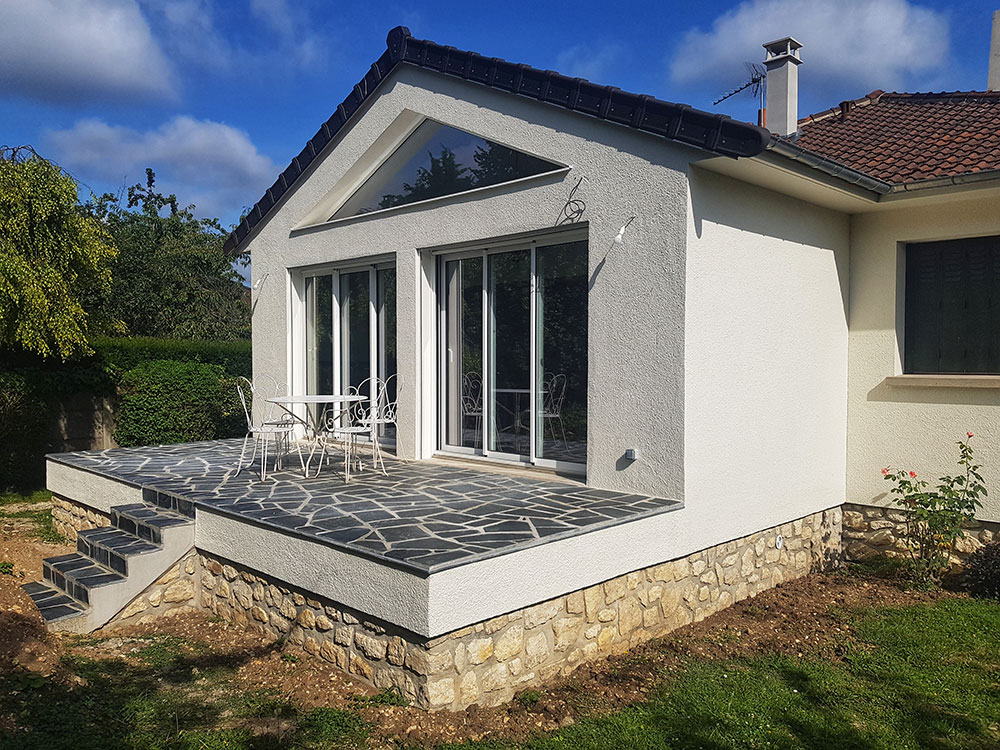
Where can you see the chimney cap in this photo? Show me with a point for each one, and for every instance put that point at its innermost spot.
(786, 47)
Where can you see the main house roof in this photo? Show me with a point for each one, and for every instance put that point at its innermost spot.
(906, 138)
(675, 122)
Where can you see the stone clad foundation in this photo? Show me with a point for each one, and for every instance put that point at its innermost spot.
(870, 531)
(69, 517)
(489, 662)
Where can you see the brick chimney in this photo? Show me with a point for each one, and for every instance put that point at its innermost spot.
(993, 78)
(782, 62)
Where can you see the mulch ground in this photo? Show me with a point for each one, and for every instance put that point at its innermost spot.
(808, 617)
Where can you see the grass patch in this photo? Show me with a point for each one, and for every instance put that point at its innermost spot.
(921, 677)
(167, 693)
(41, 518)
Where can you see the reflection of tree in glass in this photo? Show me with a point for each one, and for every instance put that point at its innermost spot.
(446, 175)
(496, 164)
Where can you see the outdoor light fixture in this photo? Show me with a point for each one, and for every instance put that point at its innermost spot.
(621, 232)
(260, 282)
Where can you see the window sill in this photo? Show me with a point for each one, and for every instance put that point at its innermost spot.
(944, 381)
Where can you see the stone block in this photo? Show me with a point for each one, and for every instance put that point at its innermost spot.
(479, 650)
(575, 603)
(565, 632)
(541, 613)
(536, 650)
(371, 647)
(179, 591)
(509, 643)
(614, 589)
(494, 678)
(629, 615)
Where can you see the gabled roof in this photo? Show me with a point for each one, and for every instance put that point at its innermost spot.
(675, 122)
(906, 138)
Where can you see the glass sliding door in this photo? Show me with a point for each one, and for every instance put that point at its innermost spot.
(516, 389)
(355, 330)
(385, 317)
(509, 371)
(561, 352)
(319, 334)
(350, 324)
(462, 353)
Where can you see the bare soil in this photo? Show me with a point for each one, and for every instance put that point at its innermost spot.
(807, 617)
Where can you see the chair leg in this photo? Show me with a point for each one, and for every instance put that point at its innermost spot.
(243, 453)
(263, 459)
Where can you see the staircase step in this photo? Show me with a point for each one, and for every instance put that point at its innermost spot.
(179, 505)
(76, 575)
(112, 547)
(53, 604)
(145, 521)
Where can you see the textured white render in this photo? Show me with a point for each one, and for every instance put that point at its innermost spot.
(637, 288)
(765, 361)
(911, 426)
(93, 490)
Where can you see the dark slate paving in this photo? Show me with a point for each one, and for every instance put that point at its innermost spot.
(425, 516)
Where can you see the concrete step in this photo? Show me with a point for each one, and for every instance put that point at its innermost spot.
(84, 590)
(57, 608)
(147, 522)
(112, 547)
(77, 575)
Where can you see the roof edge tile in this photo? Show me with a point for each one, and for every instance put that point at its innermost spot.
(676, 122)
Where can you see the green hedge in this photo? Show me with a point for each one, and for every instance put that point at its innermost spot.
(165, 401)
(123, 354)
(32, 390)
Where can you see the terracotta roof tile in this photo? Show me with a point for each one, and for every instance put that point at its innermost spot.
(902, 138)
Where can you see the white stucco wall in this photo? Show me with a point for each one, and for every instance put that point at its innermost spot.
(636, 311)
(765, 358)
(909, 426)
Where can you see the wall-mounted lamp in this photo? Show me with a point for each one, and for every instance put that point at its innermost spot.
(621, 232)
(260, 282)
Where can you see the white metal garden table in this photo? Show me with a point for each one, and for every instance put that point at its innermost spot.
(311, 420)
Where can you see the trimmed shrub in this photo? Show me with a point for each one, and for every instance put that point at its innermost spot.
(123, 354)
(982, 571)
(166, 401)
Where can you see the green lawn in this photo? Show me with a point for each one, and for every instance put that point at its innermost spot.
(925, 676)
(918, 677)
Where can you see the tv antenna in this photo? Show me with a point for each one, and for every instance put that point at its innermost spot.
(756, 84)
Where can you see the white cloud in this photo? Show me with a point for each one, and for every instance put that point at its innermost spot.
(192, 31)
(593, 63)
(68, 50)
(858, 44)
(210, 164)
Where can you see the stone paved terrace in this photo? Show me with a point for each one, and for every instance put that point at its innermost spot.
(425, 516)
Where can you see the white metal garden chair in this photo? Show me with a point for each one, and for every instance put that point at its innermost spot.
(553, 394)
(263, 428)
(377, 413)
(341, 425)
(472, 403)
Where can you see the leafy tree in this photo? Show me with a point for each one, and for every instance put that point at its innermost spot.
(444, 177)
(172, 278)
(52, 258)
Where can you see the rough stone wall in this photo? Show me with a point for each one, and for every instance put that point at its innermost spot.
(870, 531)
(178, 588)
(69, 517)
(489, 662)
(377, 652)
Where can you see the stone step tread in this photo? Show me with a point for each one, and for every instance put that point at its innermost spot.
(53, 605)
(147, 521)
(77, 575)
(112, 547)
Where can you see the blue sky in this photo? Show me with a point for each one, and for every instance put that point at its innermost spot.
(218, 95)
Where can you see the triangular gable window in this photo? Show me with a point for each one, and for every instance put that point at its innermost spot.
(438, 160)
